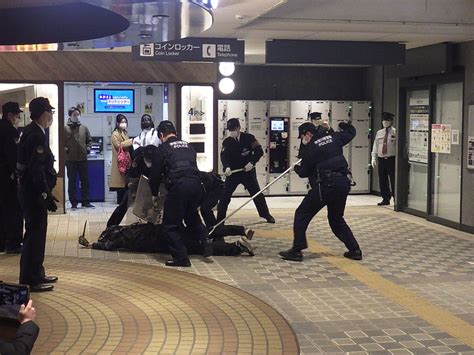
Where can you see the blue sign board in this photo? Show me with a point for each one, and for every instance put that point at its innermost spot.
(114, 101)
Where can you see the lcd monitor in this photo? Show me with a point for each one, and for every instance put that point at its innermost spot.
(114, 100)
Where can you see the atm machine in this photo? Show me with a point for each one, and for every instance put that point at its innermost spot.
(360, 151)
(300, 111)
(95, 171)
(258, 126)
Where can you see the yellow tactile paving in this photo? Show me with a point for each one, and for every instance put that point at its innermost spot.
(103, 307)
(433, 314)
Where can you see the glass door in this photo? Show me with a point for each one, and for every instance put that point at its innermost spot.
(418, 118)
(446, 147)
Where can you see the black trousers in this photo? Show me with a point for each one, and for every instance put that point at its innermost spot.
(249, 180)
(75, 168)
(386, 168)
(210, 201)
(11, 216)
(119, 212)
(34, 242)
(333, 196)
(181, 203)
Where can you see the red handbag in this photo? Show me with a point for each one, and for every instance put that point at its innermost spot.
(123, 160)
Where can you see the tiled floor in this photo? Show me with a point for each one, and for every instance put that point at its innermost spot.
(412, 293)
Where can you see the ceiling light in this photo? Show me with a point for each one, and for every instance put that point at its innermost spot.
(160, 16)
(226, 68)
(226, 86)
(144, 35)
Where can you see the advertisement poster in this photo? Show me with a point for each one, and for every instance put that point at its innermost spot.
(470, 152)
(149, 108)
(455, 137)
(441, 138)
(419, 112)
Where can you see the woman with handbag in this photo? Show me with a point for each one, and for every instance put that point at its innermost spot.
(121, 159)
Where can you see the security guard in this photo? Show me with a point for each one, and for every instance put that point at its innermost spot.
(175, 164)
(11, 217)
(241, 151)
(37, 178)
(325, 166)
(383, 155)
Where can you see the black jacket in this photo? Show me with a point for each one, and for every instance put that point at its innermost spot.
(236, 154)
(324, 153)
(35, 161)
(8, 148)
(24, 340)
(174, 159)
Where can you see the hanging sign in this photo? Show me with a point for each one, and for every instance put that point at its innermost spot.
(441, 138)
(419, 112)
(193, 49)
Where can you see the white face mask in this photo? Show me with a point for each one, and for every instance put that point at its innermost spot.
(74, 119)
(317, 122)
(234, 134)
(123, 126)
(305, 140)
(386, 124)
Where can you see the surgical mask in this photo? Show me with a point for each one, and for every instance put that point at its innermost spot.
(386, 124)
(234, 134)
(147, 163)
(74, 119)
(305, 140)
(123, 126)
(317, 122)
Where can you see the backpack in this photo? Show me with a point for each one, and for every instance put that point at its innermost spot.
(123, 160)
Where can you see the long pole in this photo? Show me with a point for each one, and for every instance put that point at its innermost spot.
(254, 196)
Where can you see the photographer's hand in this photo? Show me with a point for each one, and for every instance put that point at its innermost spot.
(27, 313)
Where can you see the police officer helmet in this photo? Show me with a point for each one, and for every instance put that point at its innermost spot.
(166, 127)
(387, 116)
(233, 124)
(147, 122)
(38, 106)
(11, 107)
(315, 116)
(305, 128)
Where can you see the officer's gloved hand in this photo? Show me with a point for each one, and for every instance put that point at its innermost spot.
(374, 162)
(51, 202)
(248, 167)
(344, 125)
(228, 172)
(297, 168)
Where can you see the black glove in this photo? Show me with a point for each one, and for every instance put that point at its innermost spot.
(297, 169)
(50, 202)
(344, 125)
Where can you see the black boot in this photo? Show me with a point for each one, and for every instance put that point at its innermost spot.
(292, 255)
(353, 254)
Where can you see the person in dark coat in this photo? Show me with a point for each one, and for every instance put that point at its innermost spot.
(11, 217)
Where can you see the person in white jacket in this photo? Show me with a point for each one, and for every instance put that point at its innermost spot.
(383, 156)
(148, 135)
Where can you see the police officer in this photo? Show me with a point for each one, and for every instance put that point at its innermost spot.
(383, 155)
(175, 164)
(11, 218)
(317, 120)
(241, 151)
(325, 166)
(37, 178)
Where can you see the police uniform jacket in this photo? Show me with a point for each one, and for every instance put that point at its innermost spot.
(235, 154)
(77, 141)
(8, 149)
(323, 155)
(175, 159)
(35, 161)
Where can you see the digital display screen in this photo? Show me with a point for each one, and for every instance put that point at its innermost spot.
(13, 294)
(197, 128)
(114, 101)
(198, 146)
(278, 126)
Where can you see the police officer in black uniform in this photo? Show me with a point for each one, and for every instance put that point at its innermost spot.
(316, 119)
(11, 217)
(37, 178)
(325, 166)
(175, 164)
(241, 150)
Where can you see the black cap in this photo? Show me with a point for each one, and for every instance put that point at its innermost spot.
(315, 115)
(387, 116)
(166, 127)
(306, 127)
(12, 107)
(233, 124)
(38, 106)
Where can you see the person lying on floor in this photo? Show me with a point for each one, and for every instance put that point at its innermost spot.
(149, 238)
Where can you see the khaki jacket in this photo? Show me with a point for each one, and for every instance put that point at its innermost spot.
(117, 180)
(77, 141)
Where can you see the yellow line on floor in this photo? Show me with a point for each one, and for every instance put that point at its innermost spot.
(433, 314)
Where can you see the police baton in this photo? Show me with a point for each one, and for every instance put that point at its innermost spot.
(253, 197)
(234, 171)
